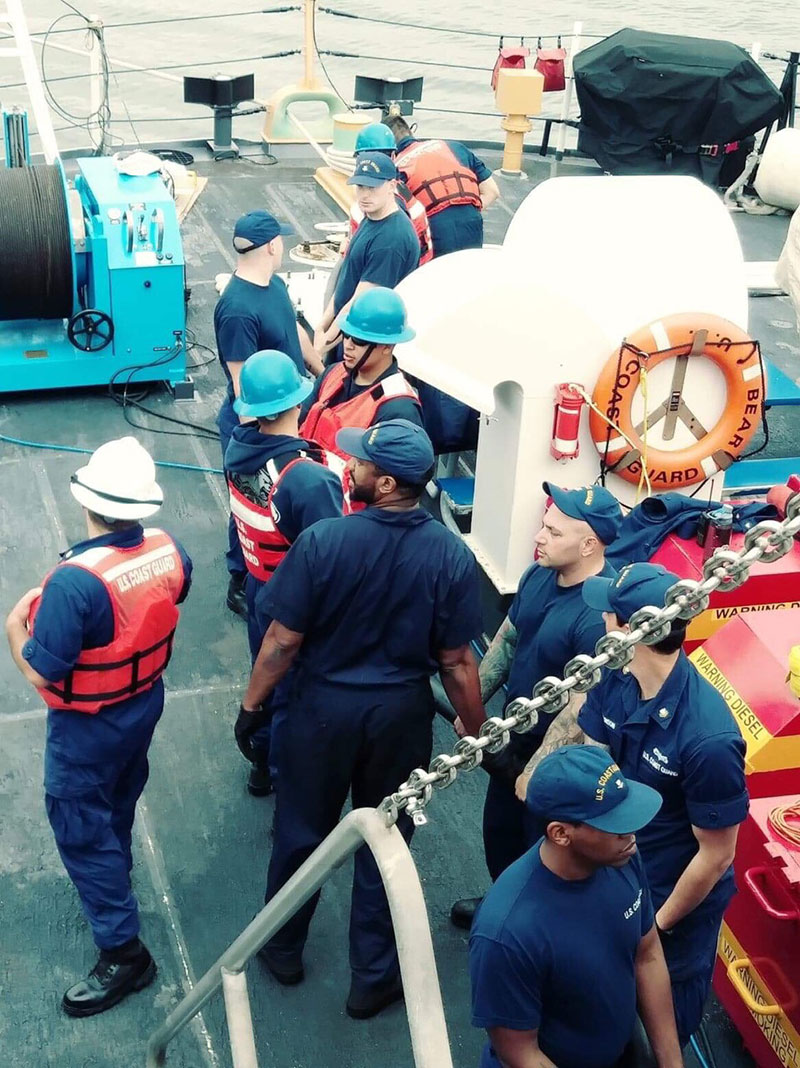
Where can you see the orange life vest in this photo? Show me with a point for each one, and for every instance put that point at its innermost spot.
(143, 585)
(330, 411)
(416, 213)
(436, 177)
(255, 516)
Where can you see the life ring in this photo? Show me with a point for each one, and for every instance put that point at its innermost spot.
(736, 355)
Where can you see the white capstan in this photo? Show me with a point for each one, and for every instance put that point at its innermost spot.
(119, 481)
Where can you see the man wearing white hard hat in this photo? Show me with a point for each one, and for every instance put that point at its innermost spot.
(94, 640)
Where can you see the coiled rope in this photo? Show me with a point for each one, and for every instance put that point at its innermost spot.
(35, 244)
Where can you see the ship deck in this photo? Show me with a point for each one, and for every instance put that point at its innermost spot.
(202, 843)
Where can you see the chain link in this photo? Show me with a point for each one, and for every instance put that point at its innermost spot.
(725, 570)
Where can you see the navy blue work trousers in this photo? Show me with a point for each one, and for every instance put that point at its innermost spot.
(690, 951)
(95, 768)
(336, 740)
(508, 827)
(226, 421)
(266, 740)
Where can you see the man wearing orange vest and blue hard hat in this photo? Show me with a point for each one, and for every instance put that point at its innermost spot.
(278, 484)
(367, 387)
(453, 184)
(94, 640)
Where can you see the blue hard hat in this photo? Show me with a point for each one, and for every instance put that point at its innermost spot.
(375, 137)
(379, 315)
(269, 384)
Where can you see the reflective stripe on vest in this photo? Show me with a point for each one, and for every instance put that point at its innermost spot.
(327, 416)
(416, 213)
(436, 177)
(263, 545)
(143, 585)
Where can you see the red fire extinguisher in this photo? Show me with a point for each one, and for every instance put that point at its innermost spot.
(566, 422)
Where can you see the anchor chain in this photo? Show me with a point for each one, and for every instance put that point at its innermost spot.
(725, 570)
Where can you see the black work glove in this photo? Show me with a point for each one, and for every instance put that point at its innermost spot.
(504, 766)
(247, 723)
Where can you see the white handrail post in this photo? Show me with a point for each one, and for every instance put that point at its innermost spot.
(561, 140)
(240, 1020)
(424, 1007)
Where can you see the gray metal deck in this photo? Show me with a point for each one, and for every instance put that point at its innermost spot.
(202, 843)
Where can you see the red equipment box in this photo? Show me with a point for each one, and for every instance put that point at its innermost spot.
(757, 973)
(748, 663)
(768, 586)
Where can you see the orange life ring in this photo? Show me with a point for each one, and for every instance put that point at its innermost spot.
(734, 353)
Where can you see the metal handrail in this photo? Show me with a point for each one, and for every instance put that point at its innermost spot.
(363, 826)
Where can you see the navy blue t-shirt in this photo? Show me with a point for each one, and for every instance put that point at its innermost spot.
(553, 624)
(459, 225)
(684, 743)
(558, 956)
(249, 318)
(381, 251)
(377, 595)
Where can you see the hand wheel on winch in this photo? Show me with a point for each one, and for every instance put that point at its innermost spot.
(90, 330)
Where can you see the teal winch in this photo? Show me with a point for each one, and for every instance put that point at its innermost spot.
(92, 268)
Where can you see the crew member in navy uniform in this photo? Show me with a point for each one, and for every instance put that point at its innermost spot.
(454, 186)
(94, 641)
(546, 626)
(367, 387)
(372, 604)
(668, 727)
(382, 251)
(564, 945)
(253, 313)
(278, 484)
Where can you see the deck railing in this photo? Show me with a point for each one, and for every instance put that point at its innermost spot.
(423, 998)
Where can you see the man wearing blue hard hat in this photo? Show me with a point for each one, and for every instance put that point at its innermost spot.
(254, 313)
(278, 484)
(564, 947)
(370, 606)
(547, 624)
(383, 250)
(367, 386)
(667, 726)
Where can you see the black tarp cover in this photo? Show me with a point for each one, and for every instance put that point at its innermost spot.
(648, 101)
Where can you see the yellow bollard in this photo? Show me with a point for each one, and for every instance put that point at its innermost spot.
(518, 95)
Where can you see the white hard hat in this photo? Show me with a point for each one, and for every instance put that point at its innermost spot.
(119, 481)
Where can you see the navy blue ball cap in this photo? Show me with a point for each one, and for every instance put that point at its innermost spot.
(257, 228)
(582, 784)
(372, 168)
(398, 447)
(593, 504)
(635, 587)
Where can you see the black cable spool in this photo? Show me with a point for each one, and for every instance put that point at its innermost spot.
(35, 244)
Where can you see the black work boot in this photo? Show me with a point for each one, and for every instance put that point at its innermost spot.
(365, 1002)
(463, 912)
(237, 599)
(259, 782)
(116, 974)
